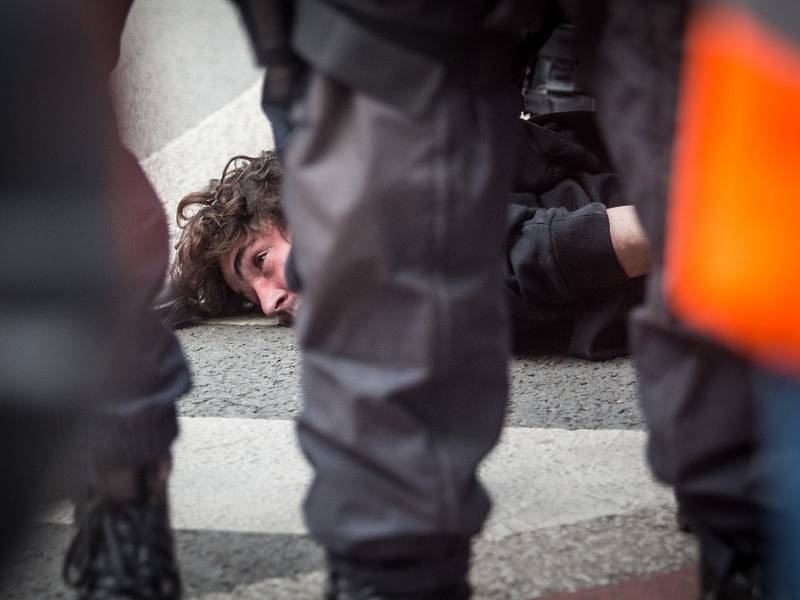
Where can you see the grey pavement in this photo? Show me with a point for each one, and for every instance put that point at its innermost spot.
(575, 505)
(237, 367)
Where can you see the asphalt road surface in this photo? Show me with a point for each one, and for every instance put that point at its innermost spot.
(575, 506)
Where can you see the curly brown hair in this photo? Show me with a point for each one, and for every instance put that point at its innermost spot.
(231, 209)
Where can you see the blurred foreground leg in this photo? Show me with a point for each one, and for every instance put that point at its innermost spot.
(397, 224)
(84, 253)
(56, 345)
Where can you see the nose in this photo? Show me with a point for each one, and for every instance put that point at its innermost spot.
(273, 301)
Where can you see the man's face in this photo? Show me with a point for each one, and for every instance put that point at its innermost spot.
(254, 269)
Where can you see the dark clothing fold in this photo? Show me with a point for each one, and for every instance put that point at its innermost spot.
(566, 289)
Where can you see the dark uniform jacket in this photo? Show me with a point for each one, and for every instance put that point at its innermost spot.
(566, 288)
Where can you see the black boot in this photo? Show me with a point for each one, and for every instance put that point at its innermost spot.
(746, 580)
(124, 549)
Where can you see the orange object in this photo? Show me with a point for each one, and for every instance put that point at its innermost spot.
(733, 244)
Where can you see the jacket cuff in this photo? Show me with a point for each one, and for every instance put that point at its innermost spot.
(583, 249)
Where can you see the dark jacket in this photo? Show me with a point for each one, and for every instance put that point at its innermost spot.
(420, 45)
(566, 288)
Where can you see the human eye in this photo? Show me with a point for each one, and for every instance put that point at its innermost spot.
(258, 259)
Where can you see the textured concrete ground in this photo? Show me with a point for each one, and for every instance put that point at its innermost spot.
(575, 506)
(235, 365)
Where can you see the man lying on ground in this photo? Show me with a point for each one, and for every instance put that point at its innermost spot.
(575, 253)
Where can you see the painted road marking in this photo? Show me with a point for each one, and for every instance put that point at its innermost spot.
(248, 475)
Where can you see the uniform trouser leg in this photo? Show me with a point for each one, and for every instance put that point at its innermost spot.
(397, 225)
(133, 421)
(705, 432)
(137, 423)
(84, 251)
(54, 272)
(696, 396)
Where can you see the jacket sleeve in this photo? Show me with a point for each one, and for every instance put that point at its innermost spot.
(556, 258)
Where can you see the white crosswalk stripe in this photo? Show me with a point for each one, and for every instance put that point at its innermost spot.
(247, 475)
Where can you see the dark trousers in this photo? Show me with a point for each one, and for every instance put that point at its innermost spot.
(86, 370)
(706, 438)
(404, 381)
(398, 226)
